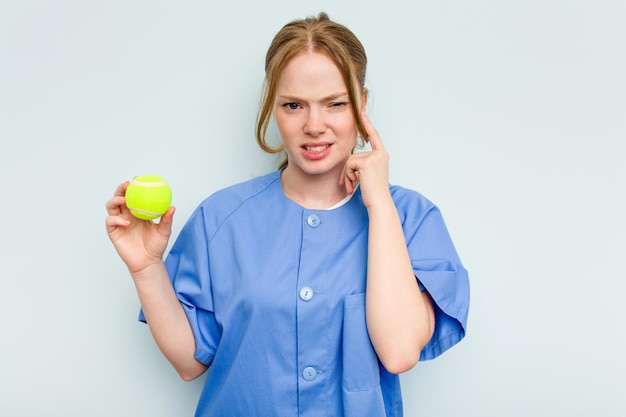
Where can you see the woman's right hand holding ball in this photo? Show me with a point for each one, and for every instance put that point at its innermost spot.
(140, 243)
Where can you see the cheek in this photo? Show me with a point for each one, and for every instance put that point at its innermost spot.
(287, 125)
(347, 126)
(280, 125)
(285, 132)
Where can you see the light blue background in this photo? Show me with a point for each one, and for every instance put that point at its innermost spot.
(510, 115)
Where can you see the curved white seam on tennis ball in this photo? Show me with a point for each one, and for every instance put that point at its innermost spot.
(150, 213)
(149, 184)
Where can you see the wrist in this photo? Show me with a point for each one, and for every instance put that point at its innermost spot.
(147, 271)
(381, 204)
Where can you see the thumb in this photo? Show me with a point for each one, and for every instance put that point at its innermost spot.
(165, 224)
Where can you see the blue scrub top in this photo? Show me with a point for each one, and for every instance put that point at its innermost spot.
(275, 294)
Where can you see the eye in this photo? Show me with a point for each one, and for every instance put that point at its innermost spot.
(291, 106)
(340, 105)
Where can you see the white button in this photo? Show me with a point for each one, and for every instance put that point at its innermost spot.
(313, 220)
(309, 373)
(306, 293)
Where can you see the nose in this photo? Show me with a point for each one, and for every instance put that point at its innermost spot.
(315, 124)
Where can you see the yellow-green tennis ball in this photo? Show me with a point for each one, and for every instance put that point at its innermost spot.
(148, 197)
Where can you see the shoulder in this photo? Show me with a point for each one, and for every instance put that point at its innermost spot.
(215, 210)
(410, 203)
(243, 190)
(230, 198)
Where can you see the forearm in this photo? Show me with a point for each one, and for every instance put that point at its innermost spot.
(399, 316)
(167, 320)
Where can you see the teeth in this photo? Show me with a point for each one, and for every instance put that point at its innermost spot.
(316, 148)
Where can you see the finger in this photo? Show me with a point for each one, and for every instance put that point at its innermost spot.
(121, 189)
(373, 136)
(168, 217)
(164, 225)
(349, 187)
(115, 205)
(353, 175)
(351, 178)
(112, 222)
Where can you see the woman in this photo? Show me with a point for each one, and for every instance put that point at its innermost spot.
(306, 290)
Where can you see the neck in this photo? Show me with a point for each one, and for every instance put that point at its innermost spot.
(317, 192)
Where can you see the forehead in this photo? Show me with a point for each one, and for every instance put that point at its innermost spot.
(311, 73)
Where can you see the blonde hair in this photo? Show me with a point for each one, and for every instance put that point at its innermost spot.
(317, 34)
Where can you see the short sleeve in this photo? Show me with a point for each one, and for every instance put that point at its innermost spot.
(187, 265)
(439, 271)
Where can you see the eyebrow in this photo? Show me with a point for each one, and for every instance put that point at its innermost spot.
(327, 98)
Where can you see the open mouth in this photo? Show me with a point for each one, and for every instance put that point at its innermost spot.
(316, 149)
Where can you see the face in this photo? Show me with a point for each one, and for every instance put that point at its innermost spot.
(314, 117)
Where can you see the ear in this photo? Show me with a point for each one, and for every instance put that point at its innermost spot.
(364, 95)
